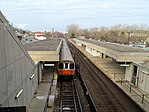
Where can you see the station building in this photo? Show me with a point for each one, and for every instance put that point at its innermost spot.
(134, 61)
(18, 72)
(21, 68)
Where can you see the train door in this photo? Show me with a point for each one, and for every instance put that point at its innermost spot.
(66, 69)
(134, 76)
(61, 66)
(66, 66)
(72, 66)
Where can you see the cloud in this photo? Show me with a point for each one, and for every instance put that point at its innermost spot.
(37, 14)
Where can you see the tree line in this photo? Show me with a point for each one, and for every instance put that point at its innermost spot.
(117, 33)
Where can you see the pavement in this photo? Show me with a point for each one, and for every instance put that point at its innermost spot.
(39, 102)
(52, 94)
(117, 74)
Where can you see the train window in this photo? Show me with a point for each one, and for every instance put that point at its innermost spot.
(60, 65)
(66, 65)
(71, 66)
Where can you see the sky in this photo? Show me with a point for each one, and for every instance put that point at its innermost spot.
(43, 15)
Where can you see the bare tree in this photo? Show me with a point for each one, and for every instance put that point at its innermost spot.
(57, 34)
(73, 30)
(117, 33)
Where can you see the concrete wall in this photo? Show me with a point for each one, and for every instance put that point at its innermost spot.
(129, 72)
(40, 67)
(44, 55)
(142, 77)
(93, 51)
(16, 68)
(78, 43)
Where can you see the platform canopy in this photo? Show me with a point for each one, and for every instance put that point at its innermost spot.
(45, 50)
(119, 52)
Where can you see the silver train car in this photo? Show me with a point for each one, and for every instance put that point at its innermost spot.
(66, 65)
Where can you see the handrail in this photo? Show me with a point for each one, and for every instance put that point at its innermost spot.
(142, 95)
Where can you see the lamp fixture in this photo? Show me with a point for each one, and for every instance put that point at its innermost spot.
(124, 65)
(32, 76)
(19, 93)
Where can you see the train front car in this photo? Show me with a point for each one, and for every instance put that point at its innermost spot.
(66, 66)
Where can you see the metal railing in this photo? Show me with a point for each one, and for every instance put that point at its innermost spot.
(132, 89)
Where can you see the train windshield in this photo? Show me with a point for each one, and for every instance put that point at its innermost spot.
(71, 66)
(61, 66)
(66, 65)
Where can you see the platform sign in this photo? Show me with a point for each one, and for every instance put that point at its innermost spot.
(13, 109)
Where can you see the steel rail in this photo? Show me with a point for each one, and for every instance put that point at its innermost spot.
(78, 98)
(86, 69)
(73, 94)
(113, 98)
(68, 97)
(85, 88)
(102, 100)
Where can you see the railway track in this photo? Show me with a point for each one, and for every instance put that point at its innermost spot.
(67, 99)
(106, 95)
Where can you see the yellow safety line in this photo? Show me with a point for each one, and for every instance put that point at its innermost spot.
(55, 75)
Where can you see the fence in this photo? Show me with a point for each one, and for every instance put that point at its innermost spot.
(132, 89)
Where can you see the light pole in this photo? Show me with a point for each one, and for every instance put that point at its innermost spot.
(129, 34)
(52, 31)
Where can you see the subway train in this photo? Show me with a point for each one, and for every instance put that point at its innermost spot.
(66, 65)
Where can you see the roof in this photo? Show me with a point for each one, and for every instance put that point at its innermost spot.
(29, 39)
(43, 45)
(119, 52)
(65, 52)
(115, 46)
(39, 32)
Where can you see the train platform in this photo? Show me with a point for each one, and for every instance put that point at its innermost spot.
(39, 101)
(116, 73)
(53, 93)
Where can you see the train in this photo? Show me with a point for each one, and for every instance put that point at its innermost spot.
(66, 65)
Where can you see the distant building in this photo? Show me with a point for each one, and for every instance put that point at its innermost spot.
(40, 35)
(81, 37)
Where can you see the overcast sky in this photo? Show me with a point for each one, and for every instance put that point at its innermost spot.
(42, 15)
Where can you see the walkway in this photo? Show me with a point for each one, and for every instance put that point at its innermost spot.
(39, 101)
